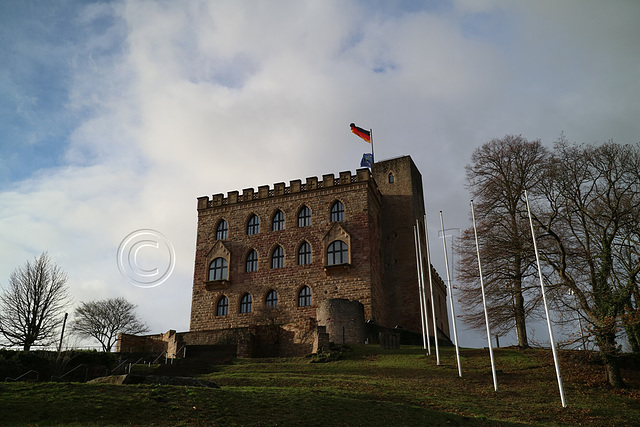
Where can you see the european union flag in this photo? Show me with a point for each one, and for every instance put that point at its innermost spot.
(367, 160)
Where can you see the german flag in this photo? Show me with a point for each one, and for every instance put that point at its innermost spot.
(364, 134)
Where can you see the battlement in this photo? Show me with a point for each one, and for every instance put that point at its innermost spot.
(279, 189)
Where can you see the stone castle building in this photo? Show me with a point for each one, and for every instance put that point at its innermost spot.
(316, 261)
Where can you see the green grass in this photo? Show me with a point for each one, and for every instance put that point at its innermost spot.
(369, 386)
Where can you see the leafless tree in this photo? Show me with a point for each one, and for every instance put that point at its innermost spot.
(588, 212)
(497, 177)
(32, 305)
(105, 319)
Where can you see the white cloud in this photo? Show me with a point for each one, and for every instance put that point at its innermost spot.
(171, 101)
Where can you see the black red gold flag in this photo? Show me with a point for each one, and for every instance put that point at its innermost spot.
(364, 134)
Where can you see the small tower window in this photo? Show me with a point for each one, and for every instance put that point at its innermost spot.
(278, 221)
(221, 230)
(245, 304)
(252, 262)
(272, 299)
(391, 178)
(337, 212)
(304, 254)
(304, 217)
(277, 257)
(304, 297)
(222, 308)
(253, 226)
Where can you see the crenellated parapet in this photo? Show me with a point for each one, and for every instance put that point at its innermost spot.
(280, 189)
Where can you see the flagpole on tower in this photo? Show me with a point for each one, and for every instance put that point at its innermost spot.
(373, 158)
(367, 135)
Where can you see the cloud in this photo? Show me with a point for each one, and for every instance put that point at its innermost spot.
(162, 102)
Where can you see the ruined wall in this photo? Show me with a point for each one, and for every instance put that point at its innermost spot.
(255, 341)
(343, 319)
(127, 343)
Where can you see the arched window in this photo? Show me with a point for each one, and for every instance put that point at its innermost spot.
(337, 253)
(391, 178)
(304, 297)
(304, 217)
(277, 257)
(252, 261)
(221, 230)
(278, 221)
(304, 254)
(218, 269)
(337, 212)
(253, 226)
(272, 299)
(245, 303)
(222, 308)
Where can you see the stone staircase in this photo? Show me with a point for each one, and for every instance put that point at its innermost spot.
(198, 360)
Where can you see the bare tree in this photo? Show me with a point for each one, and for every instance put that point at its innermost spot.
(499, 173)
(31, 306)
(589, 212)
(105, 319)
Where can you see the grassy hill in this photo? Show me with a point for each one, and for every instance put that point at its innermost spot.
(366, 386)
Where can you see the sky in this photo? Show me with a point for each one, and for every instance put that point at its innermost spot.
(116, 115)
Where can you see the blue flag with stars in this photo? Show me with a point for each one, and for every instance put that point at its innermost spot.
(367, 160)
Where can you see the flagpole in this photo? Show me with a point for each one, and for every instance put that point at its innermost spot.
(484, 301)
(453, 311)
(372, 156)
(546, 308)
(419, 270)
(433, 304)
(423, 296)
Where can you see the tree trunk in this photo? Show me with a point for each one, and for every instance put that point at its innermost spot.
(520, 317)
(28, 342)
(612, 367)
(633, 335)
(608, 349)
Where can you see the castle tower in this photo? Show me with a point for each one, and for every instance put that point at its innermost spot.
(400, 184)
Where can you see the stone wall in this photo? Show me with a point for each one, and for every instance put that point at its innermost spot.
(254, 341)
(127, 343)
(400, 184)
(344, 320)
(359, 279)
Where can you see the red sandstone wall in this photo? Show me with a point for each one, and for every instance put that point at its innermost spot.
(402, 204)
(139, 344)
(351, 282)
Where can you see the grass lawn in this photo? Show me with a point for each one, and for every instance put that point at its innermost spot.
(368, 386)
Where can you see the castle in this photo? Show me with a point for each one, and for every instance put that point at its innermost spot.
(288, 269)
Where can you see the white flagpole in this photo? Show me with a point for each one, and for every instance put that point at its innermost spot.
(423, 297)
(453, 311)
(373, 158)
(546, 308)
(433, 304)
(415, 236)
(484, 301)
